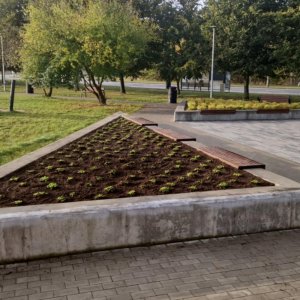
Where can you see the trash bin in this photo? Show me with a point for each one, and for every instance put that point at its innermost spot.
(222, 87)
(172, 94)
(29, 89)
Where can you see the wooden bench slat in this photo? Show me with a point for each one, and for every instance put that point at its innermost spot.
(275, 98)
(273, 111)
(142, 121)
(217, 111)
(233, 159)
(178, 137)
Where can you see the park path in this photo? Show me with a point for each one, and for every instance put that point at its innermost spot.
(250, 267)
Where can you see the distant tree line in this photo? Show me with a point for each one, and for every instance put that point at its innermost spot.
(71, 41)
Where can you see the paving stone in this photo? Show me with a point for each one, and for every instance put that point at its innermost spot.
(39, 296)
(161, 297)
(180, 295)
(120, 297)
(19, 298)
(6, 295)
(142, 294)
(104, 293)
(65, 292)
(84, 296)
(239, 293)
(28, 279)
(14, 287)
(221, 296)
(26, 292)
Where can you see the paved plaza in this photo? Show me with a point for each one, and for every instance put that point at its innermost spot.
(250, 267)
(281, 138)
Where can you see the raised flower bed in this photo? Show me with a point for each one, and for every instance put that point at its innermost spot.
(233, 110)
(43, 212)
(120, 159)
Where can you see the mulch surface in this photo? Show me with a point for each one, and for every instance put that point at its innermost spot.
(120, 159)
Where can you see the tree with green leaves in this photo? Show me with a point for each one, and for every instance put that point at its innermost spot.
(179, 49)
(246, 36)
(12, 18)
(289, 31)
(98, 39)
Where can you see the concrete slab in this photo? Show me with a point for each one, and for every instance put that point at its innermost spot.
(264, 135)
(281, 139)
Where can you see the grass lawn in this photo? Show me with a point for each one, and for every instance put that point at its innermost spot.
(39, 121)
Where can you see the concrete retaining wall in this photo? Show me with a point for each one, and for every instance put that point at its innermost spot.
(57, 229)
(195, 115)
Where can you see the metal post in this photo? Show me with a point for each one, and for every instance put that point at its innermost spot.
(12, 95)
(212, 62)
(3, 64)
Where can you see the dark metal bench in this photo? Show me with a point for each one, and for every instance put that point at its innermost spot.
(275, 98)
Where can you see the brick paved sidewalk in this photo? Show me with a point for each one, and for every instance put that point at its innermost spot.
(258, 266)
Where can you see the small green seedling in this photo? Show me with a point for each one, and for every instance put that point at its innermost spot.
(14, 178)
(44, 179)
(61, 199)
(109, 189)
(52, 185)
(18, 202)
(223, 185)
(131, 193)
(165, 189)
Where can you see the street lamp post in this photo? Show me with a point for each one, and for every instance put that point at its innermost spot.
(212, 62)
(3, 65)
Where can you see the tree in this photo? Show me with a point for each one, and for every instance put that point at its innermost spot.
(12, 18)
(246, 36)
(41, 65)
(289, 31)
(99, 39)
(179, 48)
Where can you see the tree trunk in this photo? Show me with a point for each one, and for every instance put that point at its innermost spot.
(168, 84)
(122, 86)
(268, 81)
(76, 84)
(100, 96)
(178, 86)
(246, 87)
(48, 94)
(94, 86)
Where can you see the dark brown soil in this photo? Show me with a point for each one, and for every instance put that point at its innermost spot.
(120, 159)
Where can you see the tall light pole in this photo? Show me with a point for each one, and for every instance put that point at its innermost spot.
(3, 65)
(212, 62)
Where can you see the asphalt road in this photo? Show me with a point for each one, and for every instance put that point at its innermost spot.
(234, 89)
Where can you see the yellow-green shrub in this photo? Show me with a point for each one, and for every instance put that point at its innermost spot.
(237, 104)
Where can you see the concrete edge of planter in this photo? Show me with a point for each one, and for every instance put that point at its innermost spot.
(32, 156)
(182, 115)
(128, 222)
(57, 229)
